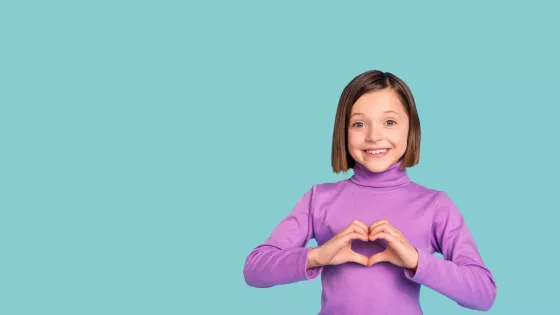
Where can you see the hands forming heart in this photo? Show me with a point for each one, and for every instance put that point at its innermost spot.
(338, 250)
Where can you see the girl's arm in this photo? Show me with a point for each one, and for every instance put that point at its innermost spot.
(282, 258)
(462, 276)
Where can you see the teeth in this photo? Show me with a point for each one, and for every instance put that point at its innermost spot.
(377, 151)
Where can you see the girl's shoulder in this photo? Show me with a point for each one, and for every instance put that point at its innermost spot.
(432, 194)
(440, 200)
(328, 187)
(415, 187)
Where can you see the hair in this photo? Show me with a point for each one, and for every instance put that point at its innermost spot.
(372, 81)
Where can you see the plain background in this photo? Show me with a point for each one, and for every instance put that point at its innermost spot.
(148, 146)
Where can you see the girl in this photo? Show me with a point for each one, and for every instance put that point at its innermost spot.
(377, 230)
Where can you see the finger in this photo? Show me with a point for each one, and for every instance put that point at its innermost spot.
(393, 230)
(381, 222)
(354, 235)
(379, 257)
(361, 227)
(354, 228)
(359, 258)
(383, 228)
(378, 222)
(382, 235)
(362, 224)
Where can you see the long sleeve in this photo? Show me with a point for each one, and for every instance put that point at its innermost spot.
(461, 275)
(282, 258)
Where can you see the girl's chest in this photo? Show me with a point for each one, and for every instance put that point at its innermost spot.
(410, 216)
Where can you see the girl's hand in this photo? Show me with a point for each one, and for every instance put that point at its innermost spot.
(338, 250)
(399, 251)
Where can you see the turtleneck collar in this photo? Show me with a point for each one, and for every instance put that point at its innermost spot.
(391, 177)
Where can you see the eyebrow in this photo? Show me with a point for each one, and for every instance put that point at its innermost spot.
(387, 111)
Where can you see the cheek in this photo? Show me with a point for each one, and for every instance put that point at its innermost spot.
(400, 139)
(353, 140)
(403, 138)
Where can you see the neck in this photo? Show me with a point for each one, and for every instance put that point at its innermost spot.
(391, 177)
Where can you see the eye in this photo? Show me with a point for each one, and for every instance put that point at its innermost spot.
(356, 123)
(391, 122)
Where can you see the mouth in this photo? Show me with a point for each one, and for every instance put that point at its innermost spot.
(377, 152)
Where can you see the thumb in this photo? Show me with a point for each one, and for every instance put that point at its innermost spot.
(377, 258)
(358, 258)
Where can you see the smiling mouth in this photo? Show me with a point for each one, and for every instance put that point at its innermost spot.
(377, 152)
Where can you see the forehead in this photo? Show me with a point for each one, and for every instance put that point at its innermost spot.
(378, 102)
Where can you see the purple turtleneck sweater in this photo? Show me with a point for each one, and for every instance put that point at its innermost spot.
(427, 218)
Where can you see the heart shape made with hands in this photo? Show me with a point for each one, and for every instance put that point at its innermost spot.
(399, 251)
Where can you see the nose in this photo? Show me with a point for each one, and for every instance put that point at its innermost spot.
(374, 134)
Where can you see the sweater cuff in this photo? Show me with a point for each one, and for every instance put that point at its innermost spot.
(309, 274)
(422, 268)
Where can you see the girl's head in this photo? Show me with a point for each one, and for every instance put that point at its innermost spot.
(376, 111)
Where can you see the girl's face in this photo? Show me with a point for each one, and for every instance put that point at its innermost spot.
(378, 122)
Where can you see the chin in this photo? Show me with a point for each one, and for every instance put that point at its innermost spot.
(377, 164)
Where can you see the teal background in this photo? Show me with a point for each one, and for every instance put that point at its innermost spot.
(148, 146)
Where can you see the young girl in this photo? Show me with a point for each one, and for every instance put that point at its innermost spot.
(377, 230)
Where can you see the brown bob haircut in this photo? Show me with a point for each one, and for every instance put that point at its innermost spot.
(367, 82)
